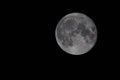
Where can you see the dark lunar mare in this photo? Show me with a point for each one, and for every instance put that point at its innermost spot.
(86, 32)
(81, 29)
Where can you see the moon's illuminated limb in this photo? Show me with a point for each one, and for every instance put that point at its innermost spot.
(79, 44)
(75, 15)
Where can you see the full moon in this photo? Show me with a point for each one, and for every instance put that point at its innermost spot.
(76, 33)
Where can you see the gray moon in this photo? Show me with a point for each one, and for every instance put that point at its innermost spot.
(79, 45)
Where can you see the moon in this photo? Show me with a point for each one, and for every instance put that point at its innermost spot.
(80, 45)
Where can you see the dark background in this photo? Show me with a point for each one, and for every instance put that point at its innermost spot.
(30, 32)
(100, 12)
(46, 18)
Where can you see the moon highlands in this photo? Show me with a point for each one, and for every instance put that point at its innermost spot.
(80, 44)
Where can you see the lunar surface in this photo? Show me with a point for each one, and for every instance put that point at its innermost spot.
(76, 33)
